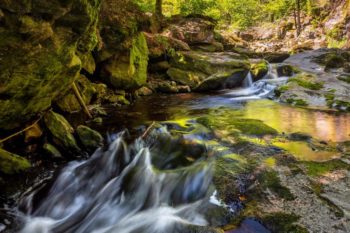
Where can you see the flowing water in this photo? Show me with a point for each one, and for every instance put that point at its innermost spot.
(164, 183)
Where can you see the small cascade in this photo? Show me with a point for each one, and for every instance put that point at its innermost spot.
(248, 81)
(272, 72)
(260, 89)
(118, 190)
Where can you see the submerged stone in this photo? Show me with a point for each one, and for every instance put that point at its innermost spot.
(11, 163)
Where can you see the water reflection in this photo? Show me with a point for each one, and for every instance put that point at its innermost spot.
(325, 126)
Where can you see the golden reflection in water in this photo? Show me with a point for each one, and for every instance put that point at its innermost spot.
(302, 151)
(320, 125)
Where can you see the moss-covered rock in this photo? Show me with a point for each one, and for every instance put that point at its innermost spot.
(253, 127)
(307, 81)
(222, 80)
(90, 138)
(208, 71)
(191, 79)
(283, 222)
(52, 151)
(11, 163)
(61, 131)
(259, 69)
(128, 71)
(39, 43)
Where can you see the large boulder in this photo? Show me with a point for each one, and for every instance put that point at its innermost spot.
(208, 71)
(159, 45)
(194, 29)
(41, 43)
(128, 70)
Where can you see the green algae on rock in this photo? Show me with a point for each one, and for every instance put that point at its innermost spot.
(11, 163)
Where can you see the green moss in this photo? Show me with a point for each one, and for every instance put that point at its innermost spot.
(270, 180)
(11, 163)
(280, 90)
(91, 139)
(61, 131)
(129, 71)
(321, 168)
(344, 79)
(226, 176)
(334, 61)
(260, 69)
(253, 127)
(307, 81)
(283, 222)
(297, 102)
(184, 77)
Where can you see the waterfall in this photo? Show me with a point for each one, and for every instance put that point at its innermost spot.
(118, 190)
(248, 81)
(272, 73)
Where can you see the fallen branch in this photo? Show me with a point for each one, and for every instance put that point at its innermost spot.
(80, 100)
(19, 132)
(148, 130)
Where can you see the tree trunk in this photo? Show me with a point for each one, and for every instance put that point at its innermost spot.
(157, 17)
(159, 9)
(298, 6)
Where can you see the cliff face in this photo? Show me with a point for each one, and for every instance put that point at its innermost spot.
(42, 46)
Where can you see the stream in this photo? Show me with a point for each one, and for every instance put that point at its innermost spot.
(166, 181)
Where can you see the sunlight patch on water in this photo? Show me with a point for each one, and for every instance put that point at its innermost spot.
(303, 152)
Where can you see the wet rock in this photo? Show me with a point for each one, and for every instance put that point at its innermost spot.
(11, 163)
(52, 151)
(39, 44)
(144, 91)
(90, 138)
(222, 81)
(285, 70)
(208, 71)
(69, 103)
(61, 131)
(128, 70)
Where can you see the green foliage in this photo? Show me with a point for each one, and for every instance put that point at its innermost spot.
(237, 13)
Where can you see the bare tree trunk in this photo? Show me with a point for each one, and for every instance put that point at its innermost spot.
(157, 17)
(298, 17)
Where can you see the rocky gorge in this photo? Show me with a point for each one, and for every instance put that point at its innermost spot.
(217, 135)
